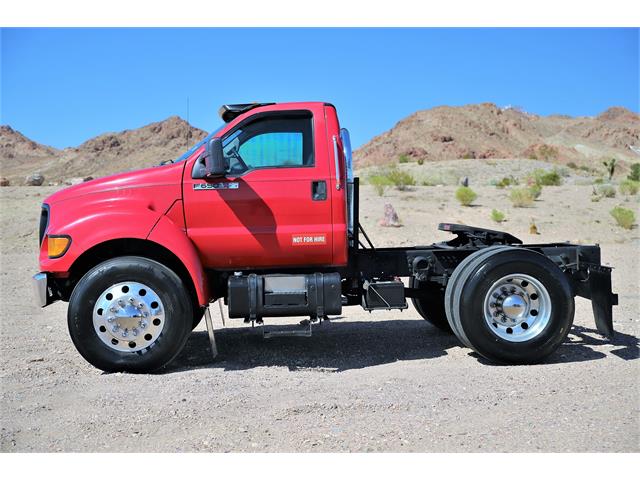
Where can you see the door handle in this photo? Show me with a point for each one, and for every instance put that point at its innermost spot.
(318, 190)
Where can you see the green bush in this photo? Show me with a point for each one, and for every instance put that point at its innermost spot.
(624, 217)
(403, 158)
(629, 187)
(547, 178)
(379, 183)
(421, 161)
(497, 216)
(399, 178)
(465, 196)
(606, 190)
(536, 191)
(507, 181)
(521, 197)
(572, 165)
(610, 165)
(634, 175)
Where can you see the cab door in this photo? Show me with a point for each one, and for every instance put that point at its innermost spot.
(273, 206)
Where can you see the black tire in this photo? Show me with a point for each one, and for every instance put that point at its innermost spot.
(469, 305)
(453, 287)
(178, 315)
(430, 305)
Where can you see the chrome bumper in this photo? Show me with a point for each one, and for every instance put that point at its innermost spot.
(40, 289)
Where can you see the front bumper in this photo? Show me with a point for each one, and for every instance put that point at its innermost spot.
(42, 288)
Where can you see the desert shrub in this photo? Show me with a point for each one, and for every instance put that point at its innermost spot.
(598, 181)
(497, 216)
(546, 178)
(403, 158)
(634, 175)
(536, 191)
(629, 187)
(521, 197)
(465, 196)
(624, 217)
(572, 165)
(606, 190)
(507, 181)
(399, 178)
(421, 161)
(379, 183)
(610, 165)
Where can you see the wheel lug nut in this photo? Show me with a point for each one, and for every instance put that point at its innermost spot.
(142, 324)
(496, 295)
(132, 300)
(121, 303)
(135, 332)
(115, 328)
(125, 333)
(111, 319)
(112, 309)
(141, 305)
(145, 314)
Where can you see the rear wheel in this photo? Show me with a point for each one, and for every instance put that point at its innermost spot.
(513, 306)
(130, 314)
(430, 305)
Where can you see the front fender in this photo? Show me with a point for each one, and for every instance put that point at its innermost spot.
(174, 238)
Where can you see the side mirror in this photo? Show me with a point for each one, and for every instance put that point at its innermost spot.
(214, 159)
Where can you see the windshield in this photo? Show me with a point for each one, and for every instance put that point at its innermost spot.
(190, 152)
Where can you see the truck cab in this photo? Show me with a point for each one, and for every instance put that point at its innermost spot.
(280, 199)
(262, 214)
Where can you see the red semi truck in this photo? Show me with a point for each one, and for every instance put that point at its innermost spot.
(263, 213)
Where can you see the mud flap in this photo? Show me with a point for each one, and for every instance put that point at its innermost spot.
(597, 287)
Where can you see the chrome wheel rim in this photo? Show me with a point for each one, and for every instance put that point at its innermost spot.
(128, 317)
(517, 308)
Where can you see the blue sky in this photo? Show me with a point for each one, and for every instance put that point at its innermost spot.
(63, 86)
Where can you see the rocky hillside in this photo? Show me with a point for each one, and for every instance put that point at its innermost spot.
(442, 133)
(103, 155)
(487, 131)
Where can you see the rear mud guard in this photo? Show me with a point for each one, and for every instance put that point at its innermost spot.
(597, 286)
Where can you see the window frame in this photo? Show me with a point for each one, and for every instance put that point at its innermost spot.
(259, 116)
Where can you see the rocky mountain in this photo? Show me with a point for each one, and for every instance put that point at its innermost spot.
(441, 133)
(488, 131)
(102, 155)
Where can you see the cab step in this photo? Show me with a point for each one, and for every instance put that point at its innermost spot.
(299, 332)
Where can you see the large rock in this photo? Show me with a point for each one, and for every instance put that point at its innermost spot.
(34, 180)
(74, 181)
(4, 182)
(390, 217)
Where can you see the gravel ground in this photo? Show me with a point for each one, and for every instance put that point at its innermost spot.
(363, 382)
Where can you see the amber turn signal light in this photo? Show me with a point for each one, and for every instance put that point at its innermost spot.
(57, 245)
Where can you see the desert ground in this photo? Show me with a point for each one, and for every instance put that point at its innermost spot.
(386, 381)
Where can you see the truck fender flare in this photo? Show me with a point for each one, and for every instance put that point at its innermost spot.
(174, 238)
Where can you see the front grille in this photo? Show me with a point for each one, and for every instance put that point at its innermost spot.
(44, 222)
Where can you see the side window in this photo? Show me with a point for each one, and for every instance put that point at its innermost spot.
(282, 140)
(275, 149)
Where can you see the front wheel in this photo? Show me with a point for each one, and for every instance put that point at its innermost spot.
(513, 306)
(130, 314)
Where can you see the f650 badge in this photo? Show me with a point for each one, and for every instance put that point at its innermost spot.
(216, 186)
